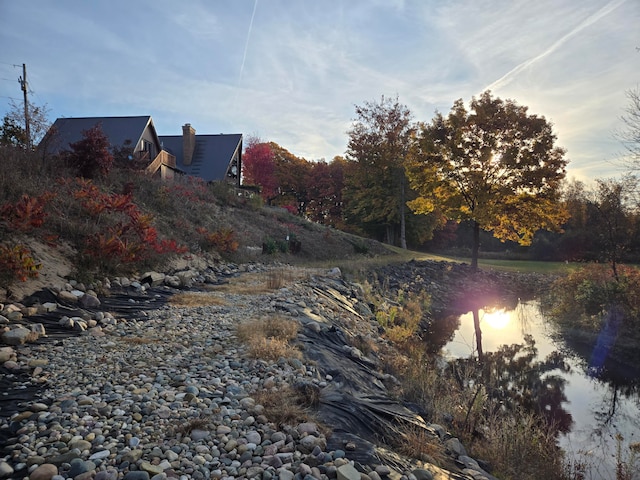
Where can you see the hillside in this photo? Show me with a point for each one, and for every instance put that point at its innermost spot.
(128, 223)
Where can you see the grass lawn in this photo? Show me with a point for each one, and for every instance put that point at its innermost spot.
(524, 266)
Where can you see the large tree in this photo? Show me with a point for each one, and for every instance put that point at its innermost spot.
(292, 175)
(494, 164)
(325, 185)
(614, 222)
(258, 168)
(375, 185)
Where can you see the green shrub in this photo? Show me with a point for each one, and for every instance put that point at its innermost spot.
(271, 246)
(582, 298)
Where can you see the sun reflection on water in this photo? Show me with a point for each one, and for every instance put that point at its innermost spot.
(497, 320)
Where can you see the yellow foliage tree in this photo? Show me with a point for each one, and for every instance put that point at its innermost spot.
(495, 165)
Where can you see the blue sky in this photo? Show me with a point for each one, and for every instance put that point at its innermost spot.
(291, 71)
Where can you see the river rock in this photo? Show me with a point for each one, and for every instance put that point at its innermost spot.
(6, 470)
(348, 472)
(46, 471)
(18, 336)
(6, 353)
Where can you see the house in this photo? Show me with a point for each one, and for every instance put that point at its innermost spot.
(210, 157)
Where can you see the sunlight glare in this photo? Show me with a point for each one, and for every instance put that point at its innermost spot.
(496, 320)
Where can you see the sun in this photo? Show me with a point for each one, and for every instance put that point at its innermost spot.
(496, 320)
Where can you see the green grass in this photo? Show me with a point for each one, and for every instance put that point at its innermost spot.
(399, 255)
(528, 266)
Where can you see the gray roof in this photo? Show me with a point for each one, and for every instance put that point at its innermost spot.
(211, 157)
(118, 130)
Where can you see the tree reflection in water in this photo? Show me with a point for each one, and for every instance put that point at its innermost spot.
(514, 377)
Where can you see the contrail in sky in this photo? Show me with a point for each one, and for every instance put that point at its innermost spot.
(508, 77)
(246, 45)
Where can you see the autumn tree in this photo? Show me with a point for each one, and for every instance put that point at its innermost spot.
(375, 184)
(292, 176)
(493, 164)
(258, 168)
(91, 156)
(324, 187)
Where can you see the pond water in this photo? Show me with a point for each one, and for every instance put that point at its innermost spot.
(602, 404)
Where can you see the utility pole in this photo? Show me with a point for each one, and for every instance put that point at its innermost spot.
(24, 87)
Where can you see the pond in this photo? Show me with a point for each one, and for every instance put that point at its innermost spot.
(601, 403)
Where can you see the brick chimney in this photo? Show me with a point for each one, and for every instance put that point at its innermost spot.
(188, 143)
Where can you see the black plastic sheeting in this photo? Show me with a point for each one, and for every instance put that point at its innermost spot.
(356, 403)
(16, 388)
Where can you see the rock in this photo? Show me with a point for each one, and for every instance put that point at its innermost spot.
(47, 307)
(153, 278)
(67, 297)
(14, 316)
(284, 474)
(186, 277)
(6, 353)
(172, 281)
(151, 469)
(308, 427)
(136, 475)
(132, 456)
(89, 301)
(253, 437)
(109, 474)
(38, 328)
(100, 455)
(6, 470)
(309, 442)
(454, 446)
(348, 472)
(422, 474)
(46, 471)
(79, 466)
(18, 336)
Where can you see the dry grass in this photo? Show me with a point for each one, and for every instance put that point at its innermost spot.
(268, 338)
(287, 406)
(200, 423)
(196, 299)
(519, 447)
(262, 282)
(420, 444)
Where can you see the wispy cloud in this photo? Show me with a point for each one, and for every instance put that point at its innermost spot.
(505, 79)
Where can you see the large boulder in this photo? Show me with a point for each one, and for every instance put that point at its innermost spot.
(19, 336)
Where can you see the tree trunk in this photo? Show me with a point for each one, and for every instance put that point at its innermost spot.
(476, 246)
(476, 326)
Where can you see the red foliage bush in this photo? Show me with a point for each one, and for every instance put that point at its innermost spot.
(26, 214)
(124, 235)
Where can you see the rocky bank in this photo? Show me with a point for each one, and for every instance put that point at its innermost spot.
(121, 384)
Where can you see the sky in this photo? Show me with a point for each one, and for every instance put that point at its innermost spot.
(292, 71)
